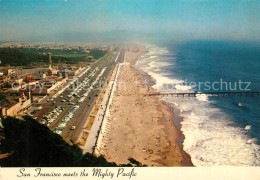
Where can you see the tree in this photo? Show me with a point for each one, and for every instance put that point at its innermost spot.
(32, 144)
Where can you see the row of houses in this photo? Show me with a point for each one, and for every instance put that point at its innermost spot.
(33, 86)
(17, 108)
(27, 92)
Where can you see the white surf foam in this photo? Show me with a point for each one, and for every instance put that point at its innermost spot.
(182, 87)
(163, 83)
(211, 138)
(202, 97)
(248, 127)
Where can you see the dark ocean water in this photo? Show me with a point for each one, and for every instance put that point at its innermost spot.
(217, 130)
(212, 61)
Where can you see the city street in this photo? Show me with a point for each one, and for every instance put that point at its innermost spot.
(96, 76)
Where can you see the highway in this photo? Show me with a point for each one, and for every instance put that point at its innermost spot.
(99, 70)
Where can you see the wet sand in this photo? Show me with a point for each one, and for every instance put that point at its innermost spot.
(141, 127)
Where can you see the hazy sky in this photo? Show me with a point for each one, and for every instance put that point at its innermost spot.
(199, 19)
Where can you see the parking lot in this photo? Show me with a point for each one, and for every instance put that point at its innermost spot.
(67, 112)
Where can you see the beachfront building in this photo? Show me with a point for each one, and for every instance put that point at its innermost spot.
(44, 86)
(17, 106)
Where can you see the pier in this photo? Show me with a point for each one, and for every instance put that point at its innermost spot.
(194, 94)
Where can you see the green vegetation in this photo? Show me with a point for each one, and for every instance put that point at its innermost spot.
(33, 145)
(3, 100)
(97, 53)
(2, 96)
(29, 56)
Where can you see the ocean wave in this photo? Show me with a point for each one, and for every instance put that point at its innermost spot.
(202, 97)
(182, 87)
(162, 81)
(211, 138)
(248, 127)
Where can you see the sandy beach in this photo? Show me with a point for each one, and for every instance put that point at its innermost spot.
(141, 127)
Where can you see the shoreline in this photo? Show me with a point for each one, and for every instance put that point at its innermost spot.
(175, 119)
(151, 139)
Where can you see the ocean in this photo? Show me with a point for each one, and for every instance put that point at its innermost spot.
(217, 130)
